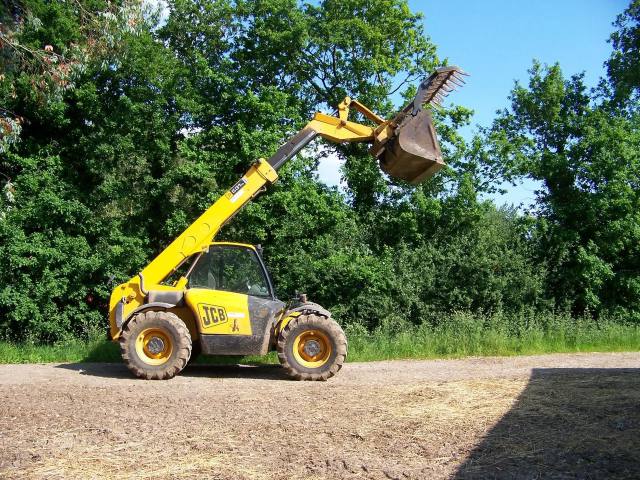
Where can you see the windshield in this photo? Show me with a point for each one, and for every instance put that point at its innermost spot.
(231, 269)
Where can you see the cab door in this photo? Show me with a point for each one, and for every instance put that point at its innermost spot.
(232, 299)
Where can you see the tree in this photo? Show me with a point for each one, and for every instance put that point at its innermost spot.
(83, 195)
(623, 67)
(588, 162)
(155, 121)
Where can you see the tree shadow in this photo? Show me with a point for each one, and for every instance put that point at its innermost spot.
(567, 423)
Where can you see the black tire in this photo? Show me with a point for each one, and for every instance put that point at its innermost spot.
(168, 332)
(328, 330)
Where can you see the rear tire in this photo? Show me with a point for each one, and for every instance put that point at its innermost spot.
(155, 345)
(312, 347)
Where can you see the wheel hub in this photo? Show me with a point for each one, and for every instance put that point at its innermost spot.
(155, 345)
(312, 348)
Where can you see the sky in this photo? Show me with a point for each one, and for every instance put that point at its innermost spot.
(495, 41)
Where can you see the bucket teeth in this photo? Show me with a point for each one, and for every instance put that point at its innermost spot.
(434, 89)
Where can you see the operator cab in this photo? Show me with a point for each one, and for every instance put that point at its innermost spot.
(228, 289)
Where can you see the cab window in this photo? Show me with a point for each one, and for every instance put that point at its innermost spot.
(231, 269)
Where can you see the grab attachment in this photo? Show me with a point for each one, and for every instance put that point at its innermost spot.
(408, 148)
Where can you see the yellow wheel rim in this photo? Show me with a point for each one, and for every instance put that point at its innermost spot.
(312, 348)
(154, 346)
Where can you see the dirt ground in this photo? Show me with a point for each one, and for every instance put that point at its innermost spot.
(552, 416)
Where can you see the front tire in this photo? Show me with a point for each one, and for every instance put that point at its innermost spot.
(155, 345)
(312, 347)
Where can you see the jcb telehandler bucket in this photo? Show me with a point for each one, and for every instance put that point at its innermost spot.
(412, 152)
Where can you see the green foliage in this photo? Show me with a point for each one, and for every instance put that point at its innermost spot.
(462, 334)
(623, 67)
(116, 132)
(72, 222)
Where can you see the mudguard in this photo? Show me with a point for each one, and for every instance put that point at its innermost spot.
(159, 305)
(305, 308)
(311, 307)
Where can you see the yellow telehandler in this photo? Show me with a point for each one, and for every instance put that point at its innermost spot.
(216, 298)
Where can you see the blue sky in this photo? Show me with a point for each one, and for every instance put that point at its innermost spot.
(496, 41)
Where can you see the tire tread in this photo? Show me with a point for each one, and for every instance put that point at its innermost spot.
(312, 320)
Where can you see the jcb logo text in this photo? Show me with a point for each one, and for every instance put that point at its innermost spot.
(212, 315)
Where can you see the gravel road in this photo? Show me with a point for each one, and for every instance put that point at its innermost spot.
(551, 416)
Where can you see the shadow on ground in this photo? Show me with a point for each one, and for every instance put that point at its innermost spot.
(103, 360)
(119, 370)
(567, 423)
